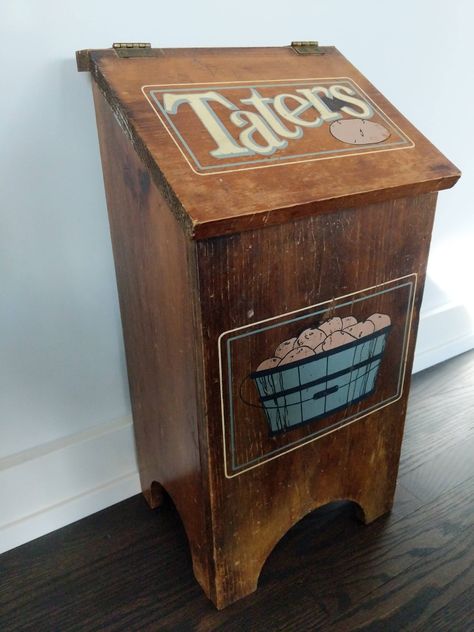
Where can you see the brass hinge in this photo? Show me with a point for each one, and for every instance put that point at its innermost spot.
(131, 45)
(132, 49)
(307, 48)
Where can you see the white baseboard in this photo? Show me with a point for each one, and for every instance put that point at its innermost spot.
(444, 332)
(52, 485)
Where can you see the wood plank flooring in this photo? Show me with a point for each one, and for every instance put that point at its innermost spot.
(128, 568)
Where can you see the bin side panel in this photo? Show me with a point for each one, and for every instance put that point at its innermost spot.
(155, 268)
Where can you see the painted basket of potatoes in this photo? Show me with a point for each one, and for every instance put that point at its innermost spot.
(323, 370)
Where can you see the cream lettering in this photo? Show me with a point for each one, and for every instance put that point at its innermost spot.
(226, 145)
(261, 104)
(273, 121)
(347, 94)
(294, 114)
(319, 104)
(257, 126)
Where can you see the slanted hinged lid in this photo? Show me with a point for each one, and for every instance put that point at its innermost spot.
(239, 138)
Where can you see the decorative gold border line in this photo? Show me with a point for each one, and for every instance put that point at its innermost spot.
(296, 311)
(275, 164)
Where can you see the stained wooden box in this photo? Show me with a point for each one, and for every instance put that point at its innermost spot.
(271, 215)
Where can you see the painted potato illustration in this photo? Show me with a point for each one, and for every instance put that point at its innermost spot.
(320, 373)
(337, 339)
(331, 334)
(285, 347)
(348, 321)
(297, 354)
(311, 338)
(331, 325)
(361, 329)
(380, 321)
(271, 363)
(359, 132)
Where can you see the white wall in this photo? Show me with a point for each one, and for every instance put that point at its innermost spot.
(66, 445)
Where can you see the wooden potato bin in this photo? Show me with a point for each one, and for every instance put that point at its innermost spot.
(271, 215)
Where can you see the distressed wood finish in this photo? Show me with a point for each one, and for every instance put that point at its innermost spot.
(215, 270)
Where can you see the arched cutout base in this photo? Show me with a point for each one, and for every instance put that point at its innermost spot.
(232, 571)
(244, 581)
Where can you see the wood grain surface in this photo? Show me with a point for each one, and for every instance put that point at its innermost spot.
(128, 569)
(230, 202)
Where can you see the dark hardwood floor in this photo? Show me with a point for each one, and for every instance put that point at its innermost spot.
(128, 568)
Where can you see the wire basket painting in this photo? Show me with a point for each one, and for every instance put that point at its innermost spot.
(323, 370)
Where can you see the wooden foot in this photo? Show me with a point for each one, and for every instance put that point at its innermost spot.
(154, 495)
(369, 515)
(234, 579)
(373, 506)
